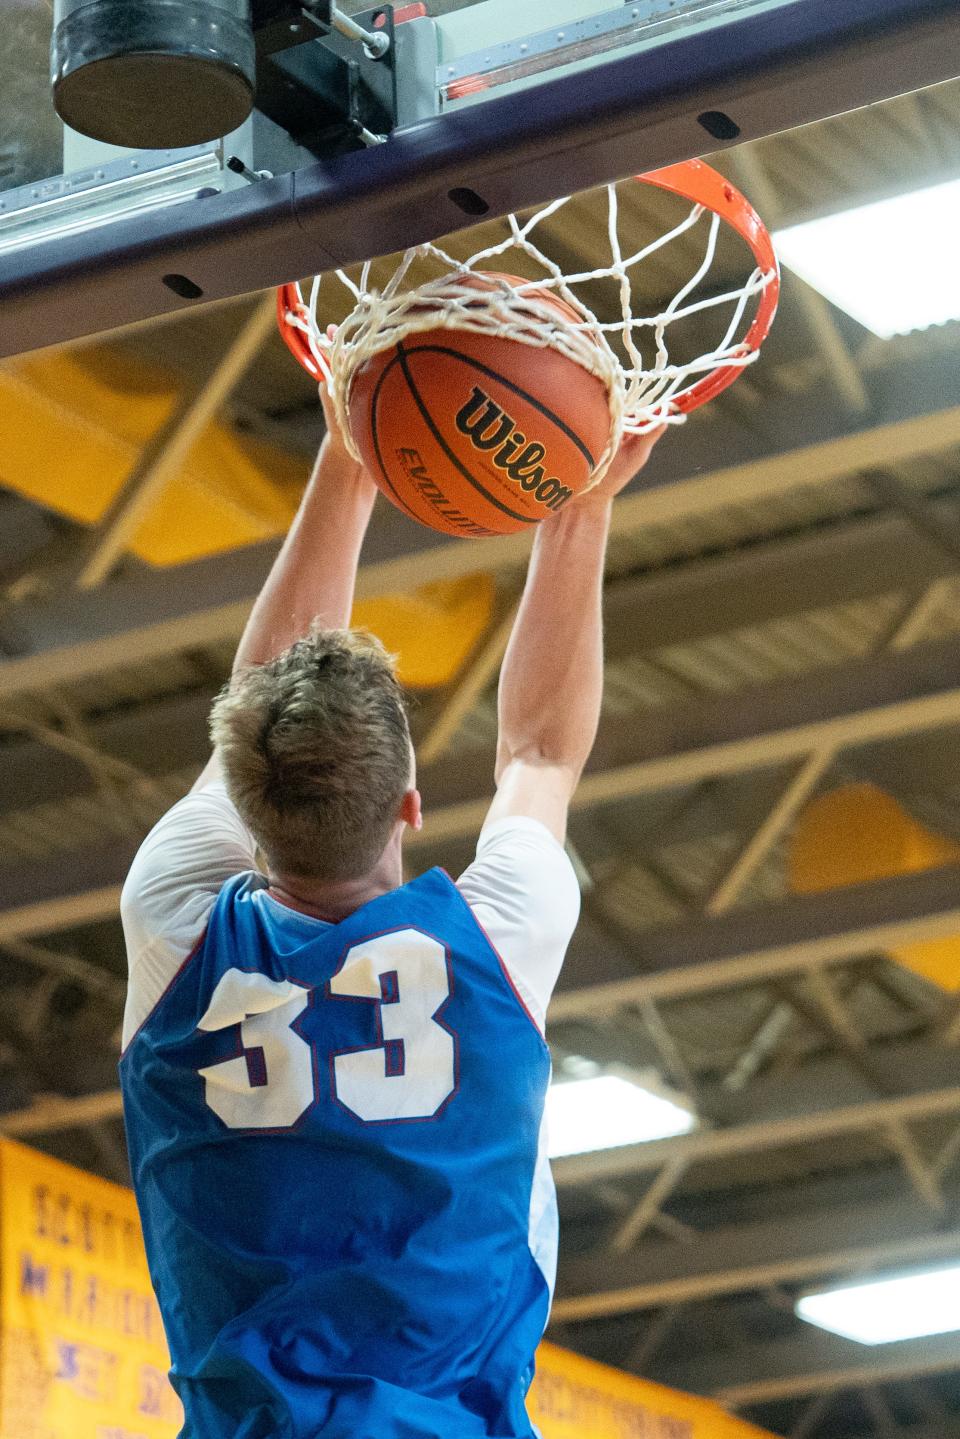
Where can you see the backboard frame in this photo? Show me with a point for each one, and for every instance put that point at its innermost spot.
(769, 72)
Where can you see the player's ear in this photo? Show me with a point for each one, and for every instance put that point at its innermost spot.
(411, 809)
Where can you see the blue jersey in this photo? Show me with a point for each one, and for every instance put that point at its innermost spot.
(335, 1134)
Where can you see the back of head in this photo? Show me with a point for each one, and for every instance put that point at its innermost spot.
(315, 750)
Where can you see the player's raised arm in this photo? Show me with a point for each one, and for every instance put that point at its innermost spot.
(312, 579)
(552, 677)
(314, 575)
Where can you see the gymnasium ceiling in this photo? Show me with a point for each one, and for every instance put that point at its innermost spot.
(783, 603)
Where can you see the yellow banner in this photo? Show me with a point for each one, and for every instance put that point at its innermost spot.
(83, 1352)
(574, 1398)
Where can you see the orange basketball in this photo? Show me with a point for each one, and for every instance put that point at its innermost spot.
(472, 434)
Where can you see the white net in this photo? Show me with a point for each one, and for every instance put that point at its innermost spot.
(643, 382)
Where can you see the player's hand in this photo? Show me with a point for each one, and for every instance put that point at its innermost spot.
(334, 438)
(633, 454)
(336, 464)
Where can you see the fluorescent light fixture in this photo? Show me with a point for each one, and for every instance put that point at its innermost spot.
(891, 265)
(606, 1111)
(883, 1311)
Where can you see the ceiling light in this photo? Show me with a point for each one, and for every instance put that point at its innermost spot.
(891, 265)
(606, 1111)
(882, 1311)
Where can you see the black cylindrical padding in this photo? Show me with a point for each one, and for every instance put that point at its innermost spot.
(153, 74)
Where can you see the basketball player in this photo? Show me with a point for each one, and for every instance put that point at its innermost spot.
(333, 1081)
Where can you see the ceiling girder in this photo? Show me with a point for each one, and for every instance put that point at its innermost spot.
(134, 619)
(756, 945)
(949, 1429)
(808, 1361)
(785, 1248)
(693, 602)
(705, 1145)
(860, 702)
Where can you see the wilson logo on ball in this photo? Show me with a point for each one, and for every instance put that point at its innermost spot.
(478, 434)
(489, 428)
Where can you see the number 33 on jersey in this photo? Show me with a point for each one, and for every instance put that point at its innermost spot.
(409, 1074)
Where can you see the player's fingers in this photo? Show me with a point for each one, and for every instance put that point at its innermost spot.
(638, 447)
(329, 410)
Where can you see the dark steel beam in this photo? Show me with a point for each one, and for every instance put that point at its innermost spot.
(757, 945)
(861, 702)
(55, 641)
(159, 738)
(64, 890)
(806, 1362)
(170, 734)
(832, 565)
(784, 1248)
(948, 1429)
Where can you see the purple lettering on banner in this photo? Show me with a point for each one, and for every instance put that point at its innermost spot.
(67, 1363)
(565, 1401)
(41, 1195)
(66, 1282)
(34, 1278)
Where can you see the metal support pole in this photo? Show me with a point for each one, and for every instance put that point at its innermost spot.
(906, 632)
(677, 1069)
(650, 1340)
(950, 1030)
(945, 1159)
(169, 448)
(812, 1415)
(112, 1152)
(916, 508)
(482, 666)
(636, 1223)
(89, 976)
(765, 837)
(920, 1174)
(375, 42)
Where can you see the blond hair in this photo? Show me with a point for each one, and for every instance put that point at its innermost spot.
(315, 750)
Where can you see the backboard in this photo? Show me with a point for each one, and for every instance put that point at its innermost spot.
(495, 106)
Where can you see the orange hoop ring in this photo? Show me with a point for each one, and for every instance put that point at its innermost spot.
(693, 180)
(702, 185)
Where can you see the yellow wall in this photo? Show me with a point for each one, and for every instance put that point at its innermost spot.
(71, 430)
(72, 426)
(858, 833)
